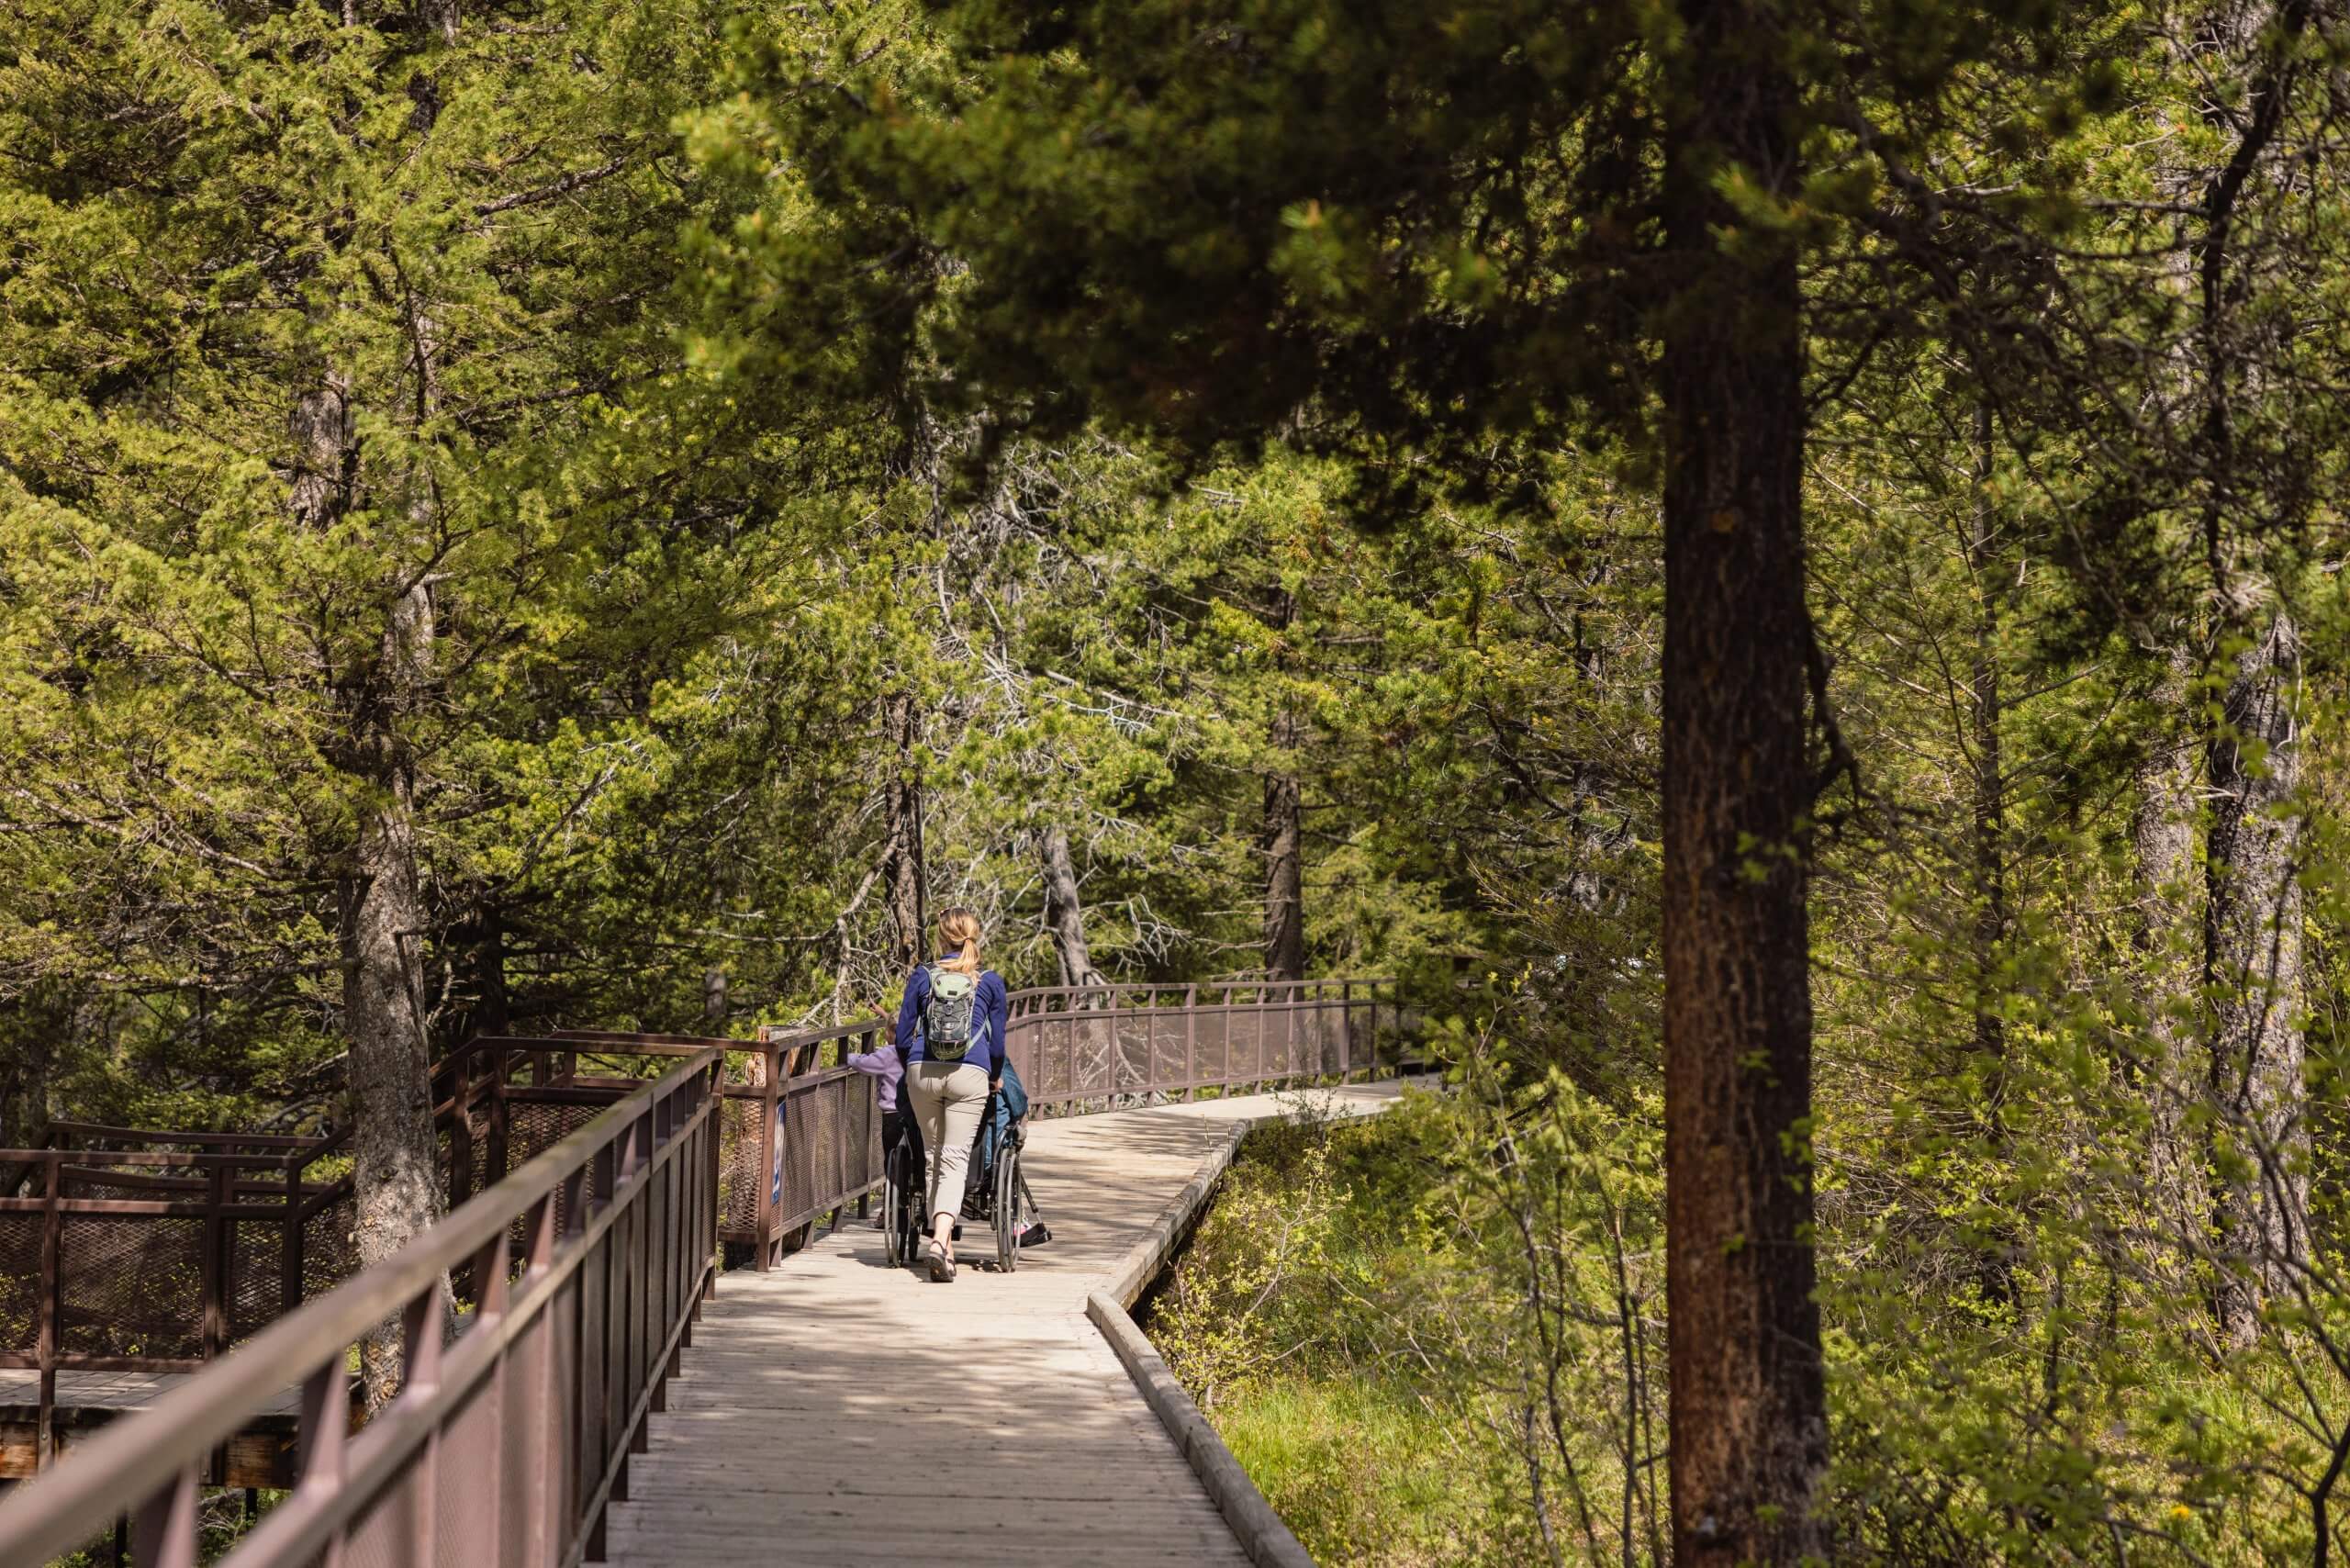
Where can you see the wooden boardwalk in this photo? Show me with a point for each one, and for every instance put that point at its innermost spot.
(838, 1410)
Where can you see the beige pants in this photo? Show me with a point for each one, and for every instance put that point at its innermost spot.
(948, 1098)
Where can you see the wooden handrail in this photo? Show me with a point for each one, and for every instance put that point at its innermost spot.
(149, 1461)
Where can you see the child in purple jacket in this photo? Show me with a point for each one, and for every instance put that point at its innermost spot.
(889, 1065)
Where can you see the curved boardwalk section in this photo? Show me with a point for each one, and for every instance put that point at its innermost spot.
(825, 1404)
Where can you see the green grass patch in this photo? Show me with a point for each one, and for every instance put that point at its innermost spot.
(1363, 1472)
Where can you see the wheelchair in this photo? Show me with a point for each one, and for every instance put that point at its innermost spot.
(997, 1193)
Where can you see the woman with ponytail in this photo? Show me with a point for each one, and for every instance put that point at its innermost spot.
(950, 1031)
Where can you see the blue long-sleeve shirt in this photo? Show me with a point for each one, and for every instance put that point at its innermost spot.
(988, 1020)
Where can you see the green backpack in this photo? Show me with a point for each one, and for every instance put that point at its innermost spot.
(946, 1016)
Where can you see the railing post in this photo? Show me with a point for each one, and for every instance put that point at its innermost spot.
(420, 1323)
(498, 1125)
(289, 1245)
(53, 1304)
(460, 1137)
(1264, 1001)
(712, 1134)
(538, 1398)
(320, 1430)
(1345, 1030)
(164, 1536)
(595, 1347)
(1190, 1041)
(214, 1273)
(763, 1174)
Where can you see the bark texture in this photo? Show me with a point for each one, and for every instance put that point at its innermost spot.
(1994, 1260)
(27, 1051)
(1065, 909)
(324, 453)
(1750, 1435)
(1284, 850)
(2252, 912)
(1282, 839)
(396, 1164)
(2163, 833)
(1987, 766)
(2251, 925)
(902, 856)
(489, 1008)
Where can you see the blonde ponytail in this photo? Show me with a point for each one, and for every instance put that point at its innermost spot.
(960, 928)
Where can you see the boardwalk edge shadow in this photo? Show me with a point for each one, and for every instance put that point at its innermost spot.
(1269, 1542)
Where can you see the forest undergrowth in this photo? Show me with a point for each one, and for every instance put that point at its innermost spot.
(1437, 1337)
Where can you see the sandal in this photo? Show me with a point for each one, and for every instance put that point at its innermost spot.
(942, 1265)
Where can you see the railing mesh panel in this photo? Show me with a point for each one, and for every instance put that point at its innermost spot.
(1131, 1063)
(385, 1535)
(479, 1173)
(1167, 1067)
(464, 1519)
(256, 1265)
(522, 1439)
(132, 1286)
(20, 1281)
(1214, 1030)
(1244, 1045)
(1097, 1048)
(738, 1165)
(328, 1254)
(531, 1130)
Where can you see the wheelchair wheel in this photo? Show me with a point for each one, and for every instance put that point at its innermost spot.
(898, 1198)
(1015, 1209)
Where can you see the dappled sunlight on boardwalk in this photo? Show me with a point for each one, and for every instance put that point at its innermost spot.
(822, 1401)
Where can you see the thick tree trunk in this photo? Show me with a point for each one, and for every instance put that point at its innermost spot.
(1989, 779)
(1284, 850)
(394, 1164)
(2251, 924)
(489, 1008)
(396, 1167)
(1749, 1436)
(1065, 909)
(2251, 914)
(324, 453)
(2162, 839)
(27, 1051)
(1282, 838)
(1994, 1268)
(909, 938)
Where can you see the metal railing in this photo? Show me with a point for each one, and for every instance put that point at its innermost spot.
(157, 1252)
(1079, 1044)
(586, 1267)
(801, 1137)
(154, 1252)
